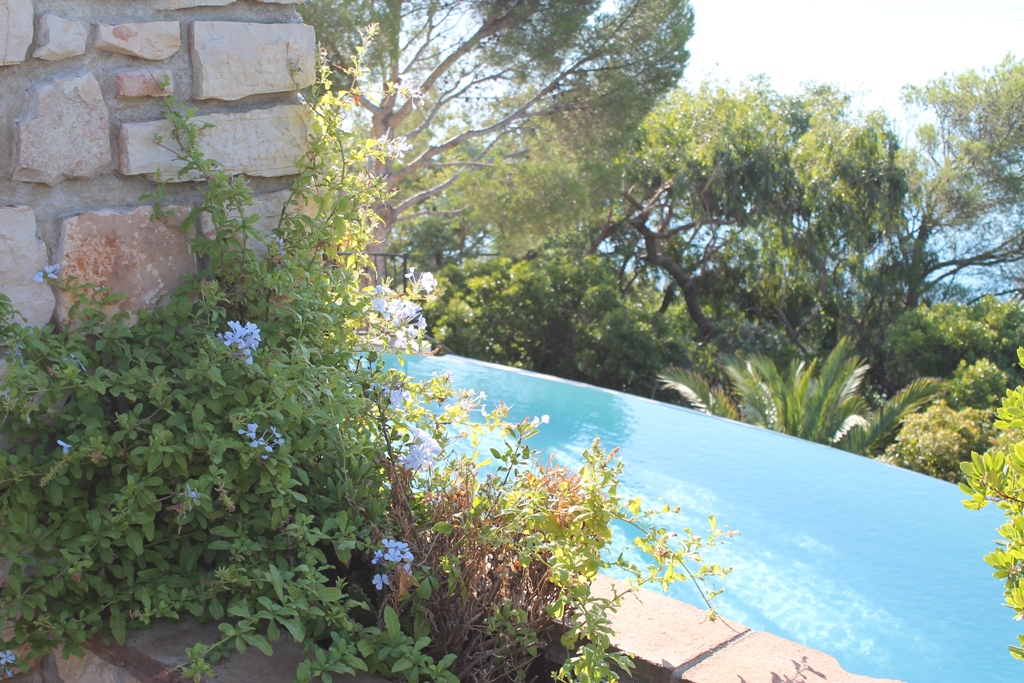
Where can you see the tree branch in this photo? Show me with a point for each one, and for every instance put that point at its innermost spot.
(429, 212)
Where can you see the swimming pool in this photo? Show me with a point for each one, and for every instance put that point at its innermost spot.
(877, 566)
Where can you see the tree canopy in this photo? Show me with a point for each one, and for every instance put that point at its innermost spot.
(455, 77)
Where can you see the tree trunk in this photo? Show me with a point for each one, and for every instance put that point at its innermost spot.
(688, 285)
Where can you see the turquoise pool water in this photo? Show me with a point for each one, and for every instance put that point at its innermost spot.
(878, 566)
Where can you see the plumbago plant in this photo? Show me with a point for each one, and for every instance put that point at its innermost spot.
(244, 454)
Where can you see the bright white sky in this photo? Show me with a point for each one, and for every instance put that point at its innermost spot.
(872, 47)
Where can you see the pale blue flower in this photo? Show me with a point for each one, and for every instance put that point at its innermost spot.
(399, 396)
(246, 338)
(422, 452)
(267, 444)
(65, 445)
(50, 272)
(426, 282)
(7, 658)
(394, 553)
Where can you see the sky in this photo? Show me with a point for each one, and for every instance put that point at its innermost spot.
(871, 47)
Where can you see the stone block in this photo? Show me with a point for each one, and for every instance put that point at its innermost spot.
(152, 40)
(269, 208)
(263, 142)
(186, 4)
(59, 38)
(661, 633)
(233, 59)
(22, 255)
(125, 252)
(6, 635)
(88, 669)
(15, 30)
(144, 83)
(765, 658)
(148, 654)
(66, 134)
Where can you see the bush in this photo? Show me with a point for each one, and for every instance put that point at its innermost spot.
(242, 454)
(561, 316)
(931, 341)
(979, 385)
(938, 440)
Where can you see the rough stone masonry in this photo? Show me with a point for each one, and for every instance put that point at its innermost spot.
(82, 85)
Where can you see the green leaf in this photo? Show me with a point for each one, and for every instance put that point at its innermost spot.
(118, 628)
(259, 642)
(294, 627)
(391, 621)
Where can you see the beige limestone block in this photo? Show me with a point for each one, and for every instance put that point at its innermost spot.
(22, 256)
(263, 142)
(7, 634)
(59, 38)
(186, 4)
(152, 40)
(270, 208)
(88, 669)
(662, 634)
(125, 252)
(766, 658)
(15, 30)
(66, 135)
(234, 59)
(144, 83)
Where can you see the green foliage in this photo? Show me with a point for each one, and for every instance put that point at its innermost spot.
(520, 543)
(998, 477)
(160, 470)
(936, 440)
(978, 385)
(817, 402)
(698, 394)
(467, 83)
(560, 316)
(135, 490)
(965, 188)
(933, 340)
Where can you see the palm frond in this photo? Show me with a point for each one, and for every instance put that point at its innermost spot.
(868, 439)
(697, 392)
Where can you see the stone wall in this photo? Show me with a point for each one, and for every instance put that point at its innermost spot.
(81, 90)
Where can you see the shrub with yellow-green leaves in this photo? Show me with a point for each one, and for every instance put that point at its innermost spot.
(997, 477)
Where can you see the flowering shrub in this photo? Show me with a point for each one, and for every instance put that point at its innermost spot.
(276, 476)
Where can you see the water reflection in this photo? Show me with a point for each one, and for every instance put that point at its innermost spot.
(579, 413)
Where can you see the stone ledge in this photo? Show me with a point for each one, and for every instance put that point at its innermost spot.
(152, 655)
(663, 634)
(766, 658)
(673, 641)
